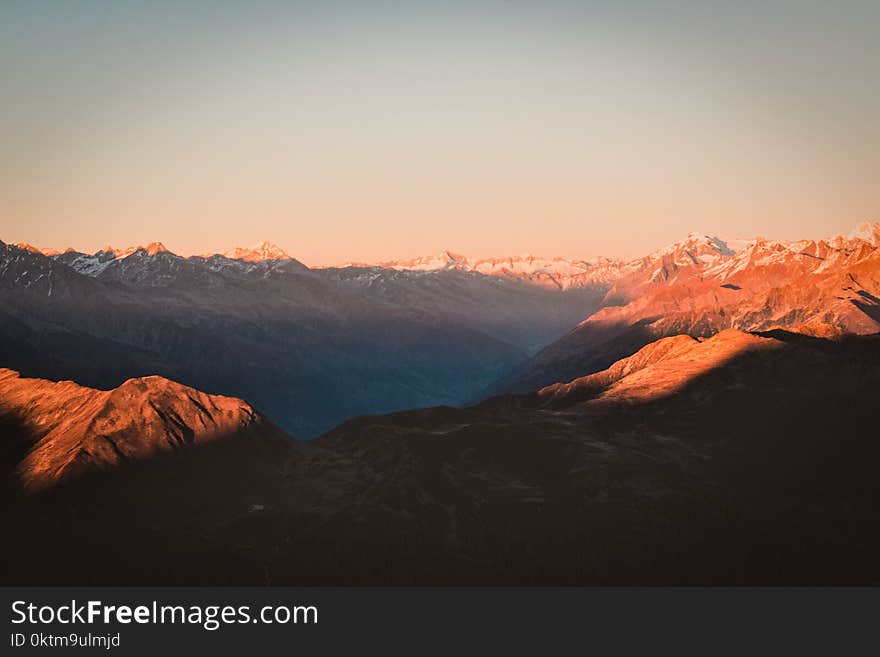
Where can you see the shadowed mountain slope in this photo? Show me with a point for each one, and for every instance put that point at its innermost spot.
(737, 459)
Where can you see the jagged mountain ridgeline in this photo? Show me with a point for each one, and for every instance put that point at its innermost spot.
(703, 285)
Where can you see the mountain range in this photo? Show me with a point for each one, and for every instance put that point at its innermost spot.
(708, 418)
(332, 343)
(309, 347)
(701, 286)
(555, 273)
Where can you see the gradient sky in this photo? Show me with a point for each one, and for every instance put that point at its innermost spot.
(374, 130)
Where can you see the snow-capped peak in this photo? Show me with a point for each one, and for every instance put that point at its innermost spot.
(151, 249)
(154, 248)
(31, 248)
(696, 241)
(868, 231)
(444, 260)
(555, 272)
(258, 253)
(109, 250)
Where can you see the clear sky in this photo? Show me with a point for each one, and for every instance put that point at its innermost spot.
(376, 130)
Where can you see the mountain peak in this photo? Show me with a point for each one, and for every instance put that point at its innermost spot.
(868, 231)
(79, 430)
(24, 246)
(154, 248)
(110, 250)
(698, 239)
(455, 258)
(258, 253)
(695, 248)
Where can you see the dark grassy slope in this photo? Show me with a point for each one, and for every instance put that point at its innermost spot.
(761, 470)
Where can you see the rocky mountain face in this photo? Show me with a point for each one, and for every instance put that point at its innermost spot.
(98, 483)
(307, 347)
(702, 286)
(693, 461)
(69, 431)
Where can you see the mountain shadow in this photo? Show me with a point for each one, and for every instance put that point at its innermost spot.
(758, 471)
(868, 304)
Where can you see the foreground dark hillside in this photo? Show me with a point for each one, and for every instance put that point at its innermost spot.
(740, 459)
